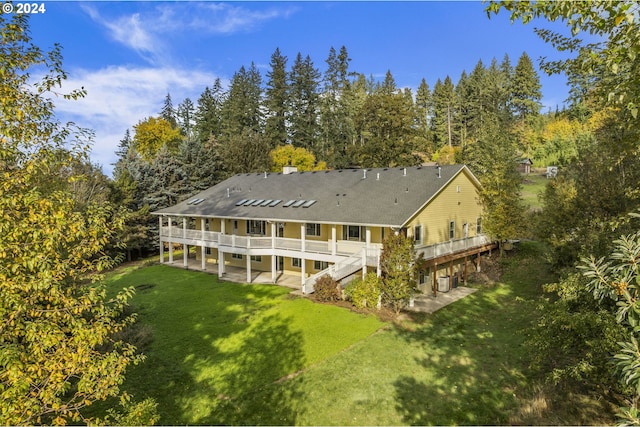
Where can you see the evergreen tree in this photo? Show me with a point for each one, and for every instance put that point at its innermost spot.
(246, 152)
(337, 111)
(186, 116)
(242, 107)
(304, 104)
(526, 89)
(387, 127)
(276, 101)
(424, 112)
(208, 118)
(168, 113)
(443, 108)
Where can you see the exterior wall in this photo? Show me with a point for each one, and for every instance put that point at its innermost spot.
(449, 205)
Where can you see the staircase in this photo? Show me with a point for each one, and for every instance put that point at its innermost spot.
(337, 271)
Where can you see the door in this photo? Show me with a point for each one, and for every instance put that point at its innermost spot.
(280, 264)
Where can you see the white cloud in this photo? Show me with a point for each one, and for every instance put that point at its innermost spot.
(119, 97)
(145, 31)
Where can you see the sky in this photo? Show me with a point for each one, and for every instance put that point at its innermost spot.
(129, 55)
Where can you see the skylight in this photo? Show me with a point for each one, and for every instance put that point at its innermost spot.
(309, 203)
(274, 203)
(289, 203)
(241, 202)
(298, 203)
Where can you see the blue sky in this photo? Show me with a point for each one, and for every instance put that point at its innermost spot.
(129, 55)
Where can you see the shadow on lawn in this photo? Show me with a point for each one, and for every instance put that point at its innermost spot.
(475, 352)
(218, 361)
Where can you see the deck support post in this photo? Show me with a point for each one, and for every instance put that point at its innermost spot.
(248, 268)
(160, 221)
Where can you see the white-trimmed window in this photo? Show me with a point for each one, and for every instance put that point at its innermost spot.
(355, 233)
(236, 256)
(207, 251)
(479, 226)
(256, 258)
(256, 227)
(452, 229)
(296, 262)
(313, 229)
(320, 265)
(417, 234)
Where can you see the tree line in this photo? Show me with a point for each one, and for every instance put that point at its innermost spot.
(338, 118)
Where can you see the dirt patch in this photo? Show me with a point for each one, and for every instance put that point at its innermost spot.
(490, 270)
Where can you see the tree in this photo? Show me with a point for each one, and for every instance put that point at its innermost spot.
(241, 110)
(397, 262)
(288, 155)
(152, 134)
(168, 113)
(424, 111)
(58, 353)
(276, 100)
(208, 112)
(526, 89)
(443, 109)
(246, 152)
(336, 110)
(186, 113)
(387, 129)
(612, 63)
(304, 104)
(492, 160)
(617, 279)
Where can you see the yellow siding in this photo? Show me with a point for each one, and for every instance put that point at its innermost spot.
(458, 202)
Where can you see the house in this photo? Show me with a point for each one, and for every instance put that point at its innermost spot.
(308, 224)
(524, 165)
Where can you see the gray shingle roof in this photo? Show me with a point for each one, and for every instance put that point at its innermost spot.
(385, 197)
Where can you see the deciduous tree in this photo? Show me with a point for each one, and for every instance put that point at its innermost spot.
(57, 349)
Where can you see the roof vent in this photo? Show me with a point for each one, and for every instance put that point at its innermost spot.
(228, 192)
(364, 174)
(439, 171)
(265, 175)
(404, 172)
(378, 176)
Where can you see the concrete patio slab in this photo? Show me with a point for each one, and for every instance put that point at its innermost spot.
(430, 304)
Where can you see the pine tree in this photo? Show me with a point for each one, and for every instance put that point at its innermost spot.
(208, 118)
(337, 111)
(443, 109)
(526, 89)
(186, 116)
(242, 107)
(168, 113)
(276, 101)
(424, 112)
(304, 104)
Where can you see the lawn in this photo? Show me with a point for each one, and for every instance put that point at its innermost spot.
(532, 186)
(225, 353)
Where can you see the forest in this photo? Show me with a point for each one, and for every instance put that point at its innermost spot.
(64, 222)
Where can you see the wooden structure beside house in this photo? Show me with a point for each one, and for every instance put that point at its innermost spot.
(308, 224)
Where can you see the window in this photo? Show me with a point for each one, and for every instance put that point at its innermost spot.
(296, 262)
(256, 227)
(236, 256)
(417, 234)
(354, 233)
(422, 278)
(452, 229)
(256, 258)
(465, 230)
(206, 224)
(313, 230)
(479, 226)
(207, 251)
(320, 265)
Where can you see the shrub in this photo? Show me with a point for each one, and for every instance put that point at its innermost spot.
(364, 293)
(326, 289)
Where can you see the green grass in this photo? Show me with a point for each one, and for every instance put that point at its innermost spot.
(533, 185)
(225, 353)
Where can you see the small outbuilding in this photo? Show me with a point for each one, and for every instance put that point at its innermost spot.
(524, 165)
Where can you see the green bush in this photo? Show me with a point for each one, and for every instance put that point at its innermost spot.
(364, 293)
(326, 289)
